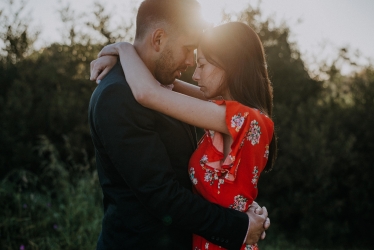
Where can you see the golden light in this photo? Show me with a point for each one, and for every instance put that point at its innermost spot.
(212, 9)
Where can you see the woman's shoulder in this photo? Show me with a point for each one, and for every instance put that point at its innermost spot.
(237, 109)
(241, 120)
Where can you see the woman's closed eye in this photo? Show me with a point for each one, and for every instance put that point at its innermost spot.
(200, 66)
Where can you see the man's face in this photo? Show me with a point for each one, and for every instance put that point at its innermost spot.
(176, 56)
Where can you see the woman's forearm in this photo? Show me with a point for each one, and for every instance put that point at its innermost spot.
(188, 89)
(141, 81)
(138, 76)
(148, 92)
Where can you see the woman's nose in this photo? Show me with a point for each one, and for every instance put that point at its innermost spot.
(196, 75)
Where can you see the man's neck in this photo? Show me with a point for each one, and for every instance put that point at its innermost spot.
(145, 54)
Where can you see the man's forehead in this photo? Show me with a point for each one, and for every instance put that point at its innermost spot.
(191, 38)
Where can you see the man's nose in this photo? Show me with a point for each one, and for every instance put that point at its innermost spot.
(190, 60)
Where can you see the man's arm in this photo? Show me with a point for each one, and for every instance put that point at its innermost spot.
(126, 130)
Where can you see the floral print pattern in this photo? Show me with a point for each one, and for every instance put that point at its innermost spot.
(210, 176)
(240, 203)
(211, 133)
(237, 121)
(266, 155)
(220, 182)
(203, 160)
(251, 247)
(254, 133)
(255, 177)
(242, 143)
(231, 181)
(192, 176)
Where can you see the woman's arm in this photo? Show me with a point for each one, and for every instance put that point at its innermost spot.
(101, 66)
(147, 91)
(188, 89)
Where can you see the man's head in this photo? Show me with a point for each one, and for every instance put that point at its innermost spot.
(167, 32)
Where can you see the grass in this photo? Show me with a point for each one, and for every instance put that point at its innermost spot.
(60, 208)
(68, 218)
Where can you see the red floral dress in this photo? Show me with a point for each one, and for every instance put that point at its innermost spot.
(231, 182)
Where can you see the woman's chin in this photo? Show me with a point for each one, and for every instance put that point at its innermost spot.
(204, 92)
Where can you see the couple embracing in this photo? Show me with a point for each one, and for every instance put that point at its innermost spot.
(162, 188)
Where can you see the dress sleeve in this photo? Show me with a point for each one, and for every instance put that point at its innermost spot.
(236, 120)
(247, 126)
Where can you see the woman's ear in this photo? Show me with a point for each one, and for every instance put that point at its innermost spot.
(158, 39)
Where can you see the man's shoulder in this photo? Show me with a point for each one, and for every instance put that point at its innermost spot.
(113, 82)
(114, 79)
(113, 93)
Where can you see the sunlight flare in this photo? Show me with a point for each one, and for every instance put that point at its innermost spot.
(212, 9)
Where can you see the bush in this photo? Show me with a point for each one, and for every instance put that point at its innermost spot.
(52, 210)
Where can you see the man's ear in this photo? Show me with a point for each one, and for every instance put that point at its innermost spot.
(158, 39)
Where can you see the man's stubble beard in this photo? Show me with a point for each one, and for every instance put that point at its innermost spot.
(165, 67)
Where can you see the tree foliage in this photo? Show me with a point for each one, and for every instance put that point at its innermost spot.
(318, 194)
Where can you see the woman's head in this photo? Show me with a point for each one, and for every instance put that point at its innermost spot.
(210, 78)
(237, 50)
(235, 58)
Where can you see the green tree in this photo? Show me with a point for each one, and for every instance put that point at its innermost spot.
(318, 194)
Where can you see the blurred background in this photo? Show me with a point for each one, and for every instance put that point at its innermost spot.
(320, 59)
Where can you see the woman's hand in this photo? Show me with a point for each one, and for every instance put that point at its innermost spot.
(106, 61)
(101, 66)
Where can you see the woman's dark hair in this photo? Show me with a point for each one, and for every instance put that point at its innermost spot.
(236, 48)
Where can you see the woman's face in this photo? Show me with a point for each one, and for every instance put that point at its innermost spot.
(210, 78)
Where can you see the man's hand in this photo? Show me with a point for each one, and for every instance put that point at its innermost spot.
(258, 223)
(101, 66)
(259, 210)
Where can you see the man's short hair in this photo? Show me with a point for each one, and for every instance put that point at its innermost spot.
(180, 15)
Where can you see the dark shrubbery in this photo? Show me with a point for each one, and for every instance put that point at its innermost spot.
(318, 194)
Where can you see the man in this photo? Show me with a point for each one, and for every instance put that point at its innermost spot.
(142, 155)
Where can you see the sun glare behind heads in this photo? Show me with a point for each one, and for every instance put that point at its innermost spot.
(212, 9)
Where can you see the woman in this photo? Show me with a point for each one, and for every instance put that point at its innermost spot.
(239, 142)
